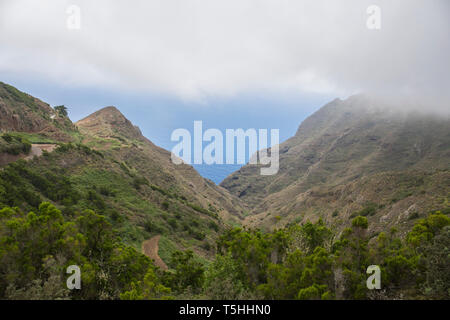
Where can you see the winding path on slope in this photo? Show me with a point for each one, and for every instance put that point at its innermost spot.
(150, 248)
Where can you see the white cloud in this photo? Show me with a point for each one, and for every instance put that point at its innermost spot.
(197, 48)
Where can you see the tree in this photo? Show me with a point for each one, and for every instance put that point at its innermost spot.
(62, 110)
(309, 236)
(352, 255)
(252, 250)
(222, 279)
(148, 289)
(188, 272)
(36, 249)
(437, 262)
(429, 238)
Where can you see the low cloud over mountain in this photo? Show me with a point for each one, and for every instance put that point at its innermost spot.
(195, 49)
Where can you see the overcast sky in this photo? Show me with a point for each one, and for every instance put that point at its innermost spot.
(196, 49)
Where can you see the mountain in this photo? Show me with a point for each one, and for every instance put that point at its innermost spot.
(100, 196)
(104, 163)
(21, 112)
(357, 156)
(109, 122)
(109, 131)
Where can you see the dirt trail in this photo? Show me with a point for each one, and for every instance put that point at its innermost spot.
(150, 249)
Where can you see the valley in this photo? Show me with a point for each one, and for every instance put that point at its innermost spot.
(358, 184)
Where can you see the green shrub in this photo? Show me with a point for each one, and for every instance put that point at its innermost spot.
(14, 145)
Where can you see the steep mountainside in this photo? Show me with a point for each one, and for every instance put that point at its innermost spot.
(21, 112)
(108, 130)
(352, 156)
(109, 167)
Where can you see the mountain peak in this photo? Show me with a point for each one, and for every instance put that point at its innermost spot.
(109, 109)
(109, 122)
(108, 114)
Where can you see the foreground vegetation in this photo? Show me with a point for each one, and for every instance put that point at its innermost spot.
(299, 262)
(310, 262)
(14, 145)
(75, 177)
(36, 248)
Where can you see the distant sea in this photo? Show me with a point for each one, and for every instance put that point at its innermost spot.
(216, 172)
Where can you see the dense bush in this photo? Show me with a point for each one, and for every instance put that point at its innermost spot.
(36, 248)
(14, 145)
(309, 262)
(299, 262)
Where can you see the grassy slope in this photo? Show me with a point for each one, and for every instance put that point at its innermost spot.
(137, 210)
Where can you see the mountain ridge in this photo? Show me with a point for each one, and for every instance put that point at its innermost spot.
(337, 146)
